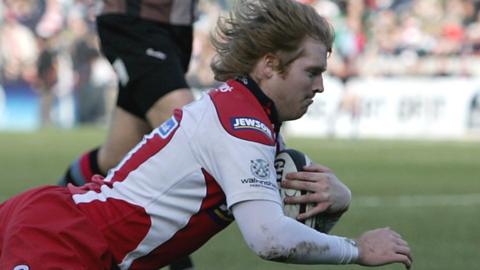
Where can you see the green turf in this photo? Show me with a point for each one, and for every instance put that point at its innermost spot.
(410, 183)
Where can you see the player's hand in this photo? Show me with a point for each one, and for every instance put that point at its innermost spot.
(383, 246)
(325, 189)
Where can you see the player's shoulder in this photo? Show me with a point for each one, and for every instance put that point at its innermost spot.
(241, 114)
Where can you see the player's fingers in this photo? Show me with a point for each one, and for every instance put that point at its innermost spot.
(319, 208)
(402, 242)
(294, 184)
(405, 250)
(393, 258)
(307, 176)
(402, 251)
(304, 185)
(401, 258)
(316, 168)
(394, 233)
(308, 198)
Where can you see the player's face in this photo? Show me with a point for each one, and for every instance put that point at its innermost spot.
(293, 91)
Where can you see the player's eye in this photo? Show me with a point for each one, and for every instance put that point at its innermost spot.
(311, 74)
(314, 72)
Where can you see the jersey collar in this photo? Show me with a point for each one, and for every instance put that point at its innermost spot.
(267, 104)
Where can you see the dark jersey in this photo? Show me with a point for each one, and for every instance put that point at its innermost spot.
(174, 12)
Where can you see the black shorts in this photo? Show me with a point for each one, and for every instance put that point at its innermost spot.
(155, 57)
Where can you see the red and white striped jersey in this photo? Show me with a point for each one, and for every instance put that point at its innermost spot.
(172, 192)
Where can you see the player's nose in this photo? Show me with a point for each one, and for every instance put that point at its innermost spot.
(318, 85)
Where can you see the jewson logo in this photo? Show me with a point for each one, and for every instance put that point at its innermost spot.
(167, 127)
(239, 123)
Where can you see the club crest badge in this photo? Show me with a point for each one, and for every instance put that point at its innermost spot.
(260, 168)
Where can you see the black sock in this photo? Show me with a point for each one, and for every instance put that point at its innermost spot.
(183, 263)
(82, 169)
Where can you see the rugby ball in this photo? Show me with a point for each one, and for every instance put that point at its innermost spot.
(291, 160)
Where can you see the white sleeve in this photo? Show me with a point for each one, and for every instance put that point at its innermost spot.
(273, 236)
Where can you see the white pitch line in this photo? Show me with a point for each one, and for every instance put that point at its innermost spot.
(417, 200)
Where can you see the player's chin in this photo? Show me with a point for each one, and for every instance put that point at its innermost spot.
(302, 111)
(296, 114)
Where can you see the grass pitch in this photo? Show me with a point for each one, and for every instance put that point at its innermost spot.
(427, 191)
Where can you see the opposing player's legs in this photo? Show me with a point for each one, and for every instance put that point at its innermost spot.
(150, 88)
(81, 170)
(184, 263)
(126, 130)
(163, 108)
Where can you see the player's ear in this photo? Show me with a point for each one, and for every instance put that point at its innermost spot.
(267, 66)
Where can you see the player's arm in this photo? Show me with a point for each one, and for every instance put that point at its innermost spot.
(273, 236)
(325, 189)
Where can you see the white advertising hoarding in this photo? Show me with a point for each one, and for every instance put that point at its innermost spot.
(393, 108)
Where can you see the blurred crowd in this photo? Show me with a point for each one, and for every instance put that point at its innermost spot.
(51, 45)
(404, 37)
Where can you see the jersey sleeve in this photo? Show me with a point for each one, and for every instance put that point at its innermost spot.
(236, 146)
(245, 171)
(263, 226)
